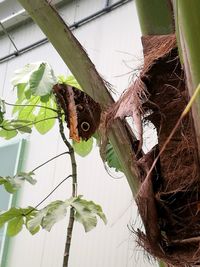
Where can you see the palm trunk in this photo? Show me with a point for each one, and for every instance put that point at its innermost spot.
(188, 25)
(173, 192)
(155, 16)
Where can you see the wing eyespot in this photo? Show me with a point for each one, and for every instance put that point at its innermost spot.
(85, 126)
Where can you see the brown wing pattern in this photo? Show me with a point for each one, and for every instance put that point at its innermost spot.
(82, 113)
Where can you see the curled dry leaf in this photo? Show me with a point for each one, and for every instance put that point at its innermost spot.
(130, 105)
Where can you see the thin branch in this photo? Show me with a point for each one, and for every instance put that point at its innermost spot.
(53, 191)
(69, 237)
(33, 209)
(41, 165)
(71, 153)
(24, 105)
(28, 124)
(74, 188)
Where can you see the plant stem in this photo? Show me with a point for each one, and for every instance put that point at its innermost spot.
(28, 124)
(41, 165)
(69, 237)
(74, 188)
(24, 105)
(52, 191)
(48, 195)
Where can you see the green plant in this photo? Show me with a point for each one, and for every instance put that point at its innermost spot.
(36, 108)
(167, 193)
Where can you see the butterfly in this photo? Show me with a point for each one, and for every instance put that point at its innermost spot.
(82, 113)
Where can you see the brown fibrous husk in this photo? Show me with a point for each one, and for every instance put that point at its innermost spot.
(169, 197)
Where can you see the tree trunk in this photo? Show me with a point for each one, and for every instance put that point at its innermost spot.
(168, 199)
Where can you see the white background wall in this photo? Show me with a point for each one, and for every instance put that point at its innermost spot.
(113, 43)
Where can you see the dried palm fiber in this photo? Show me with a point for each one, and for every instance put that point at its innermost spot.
(168, 199)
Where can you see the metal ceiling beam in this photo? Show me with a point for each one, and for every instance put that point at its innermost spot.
(21, 16)
(75, 25)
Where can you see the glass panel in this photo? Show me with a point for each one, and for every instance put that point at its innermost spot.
(9, 160)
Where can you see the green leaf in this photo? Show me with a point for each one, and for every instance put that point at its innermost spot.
(69, 80)
(27, 176)
(85, 213)
(95, 208)
(28, 93)
(33, 225)
(10, 129)
(27, 113)
(111, 158)
(32, 113)
(42, 80)
(16, 218)
(34, 79)
(34, 84)
(9, 187)
(7, 134)
(45, 98)
(17, 108)
(44, 114)
(21, 126)
(85, 217)
(15, 226)
(13, 183)
(56, 212)
(35, 230)
(9, 215)
(48, 216)
(22, 76)
(83, 148)
(20, 90)
(23, 129)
